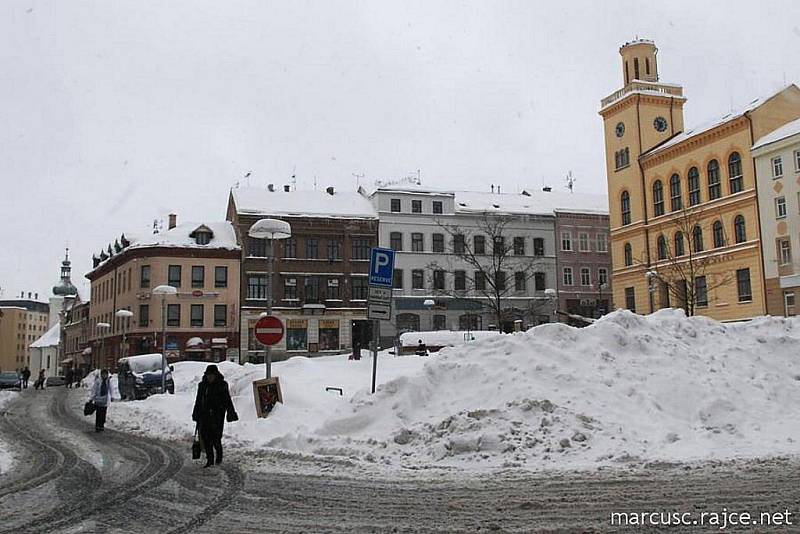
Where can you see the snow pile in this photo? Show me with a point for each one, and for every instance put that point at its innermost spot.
(6, 458)
(623, 391)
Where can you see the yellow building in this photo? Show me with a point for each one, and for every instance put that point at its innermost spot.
(22, 321)
(683, 203)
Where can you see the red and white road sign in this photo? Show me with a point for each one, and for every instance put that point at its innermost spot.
(269, 330)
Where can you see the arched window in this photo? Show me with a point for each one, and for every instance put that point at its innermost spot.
(679, 250)
(739, 230)
(697, 239)
(625, 205)
(658, 198)
(735, 173)
(628, 255)
(694, 186)
(675, 193)
(627, 75)
(647, 66)
(714, 189)
(407, 322)
(636, 68)
(719, 235)
(662, 248)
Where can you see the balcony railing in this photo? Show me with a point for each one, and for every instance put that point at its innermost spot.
(639, 85)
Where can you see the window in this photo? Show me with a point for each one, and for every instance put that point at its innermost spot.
(311, 289)
(566, 241)
(735, 173)
(220, 276)
(519, 246)
(333, 289)
(784, 251)
(777, 167)
(196, 315)
(478, 244)
(658, 198)
(583, 242)
(499, 245)
(567, 276)
(697, 239)
(625, 207)
(220, 315)
(290, 248)
(788, 301)
(397, 279)
(256, 248)
(743, 285)
(500, 280)
(719, 234)
(538, 246)
(630, 299)
(661, 246)
(360, 248)
(417, 243)
(437, 242)
(173, 314)
(700, 291)
(636, 69)
(257, 286)
(144, 315)
(407, 322)
(202, 238)
(290, 289)
(437, 206)
(519, 281)
(539, 281)
(739, 231)
(333, 250)
(417, 279)
(675, 199)
(198, 276)
(796, 165)
(459, 280)
(458, 244)
(602, 276)
(438, 279)
(416, 206)
(780, 208)
(359, 288)
(679, 250)
(174, 275)
(622, 158)
(714, 188)
(297, 336)
(586, 276)
(144, 276)
(395, 205)
(694, 186)
(480, 280)
(396, 241)
(439, 322)
(628, 253)
(312, 248)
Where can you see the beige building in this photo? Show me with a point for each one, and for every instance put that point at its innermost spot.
(777, 160)
(683, 203)
(200, 260)
(22, 321)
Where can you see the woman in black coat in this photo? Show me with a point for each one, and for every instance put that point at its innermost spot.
(212, 404)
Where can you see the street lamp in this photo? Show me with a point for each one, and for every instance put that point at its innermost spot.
(552, 295)
(164, 290)
(650, 276)
(124, 316)
(100, 328)
(271, 229)
(429, 304)
(600, 287)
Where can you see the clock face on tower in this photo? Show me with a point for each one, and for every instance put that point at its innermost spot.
(660, 124)
(620, 129)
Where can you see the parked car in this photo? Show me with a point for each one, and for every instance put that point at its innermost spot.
(55, 381)
(140, 376)
(10, 380)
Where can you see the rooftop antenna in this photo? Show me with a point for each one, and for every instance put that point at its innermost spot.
(155, 226)
(419, 177)
(315, 182)
(293, 179)
(247, 178)
(358, 176)
(570, 181)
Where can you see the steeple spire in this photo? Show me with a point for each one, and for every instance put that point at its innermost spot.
(65, 287)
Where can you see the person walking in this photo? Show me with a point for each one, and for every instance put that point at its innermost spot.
(69, 376)
(101, 397)
(39, 384)
(422, 349)
(212, 404)
(26, 375)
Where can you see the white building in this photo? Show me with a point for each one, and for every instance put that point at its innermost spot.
(44, 353)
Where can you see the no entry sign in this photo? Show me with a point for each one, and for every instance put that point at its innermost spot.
(269, 330)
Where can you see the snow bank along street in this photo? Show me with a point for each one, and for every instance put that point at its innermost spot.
(5, 456)
(625, 391)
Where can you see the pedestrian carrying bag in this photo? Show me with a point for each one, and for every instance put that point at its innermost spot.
(89, 408)
(197, 447)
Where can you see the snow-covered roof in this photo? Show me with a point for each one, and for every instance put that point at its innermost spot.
(787, 130)
(341, 204)
(51, 338)
(564, 202)
(532, 202)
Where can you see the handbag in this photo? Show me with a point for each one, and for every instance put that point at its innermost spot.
(197, 446)
(232, 416)
(89, 408)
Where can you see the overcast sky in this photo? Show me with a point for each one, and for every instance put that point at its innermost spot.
(116, 113)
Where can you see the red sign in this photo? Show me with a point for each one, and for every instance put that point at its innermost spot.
(197, 293)
(269, 330)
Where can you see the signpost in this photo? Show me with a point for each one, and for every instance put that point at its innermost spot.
(379, 301)
(269, 331)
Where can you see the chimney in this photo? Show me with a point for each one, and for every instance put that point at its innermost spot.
(36, 296)
(29, 295)
(329, 190)
(271, 188)
(287, 188)
(498, 189)
(492, 188)
(547, 189)
(173, 221)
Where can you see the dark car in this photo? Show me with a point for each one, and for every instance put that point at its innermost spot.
(56, 381)
(140, 376)
(10, 380)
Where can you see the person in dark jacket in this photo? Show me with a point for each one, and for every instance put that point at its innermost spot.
(40, 382)
(69, 376)
(26, 375)
(212, 404)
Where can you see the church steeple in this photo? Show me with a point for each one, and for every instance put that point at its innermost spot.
(65, 288)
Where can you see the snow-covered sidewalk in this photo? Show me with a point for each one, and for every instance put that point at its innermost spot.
(6, 458)
(624, 391)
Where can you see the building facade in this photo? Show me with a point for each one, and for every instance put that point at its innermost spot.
(201, 261)
(683, 204)
(777, 160)
(319, 286)
(77, 350)
(22, 322)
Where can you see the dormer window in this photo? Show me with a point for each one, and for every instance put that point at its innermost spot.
(202, 235)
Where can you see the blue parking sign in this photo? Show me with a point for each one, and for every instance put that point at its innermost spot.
(381, 267)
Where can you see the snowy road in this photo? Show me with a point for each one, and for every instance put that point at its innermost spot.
(68, 479)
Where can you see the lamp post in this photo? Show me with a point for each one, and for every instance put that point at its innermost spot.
(100, 328)
(429, 304)
(650, 276)
(600, 287)
(124, 316)
(164, 290)
(552, 295)
(271, 229)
